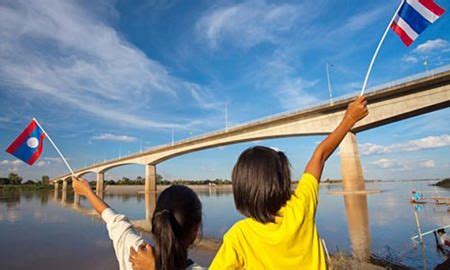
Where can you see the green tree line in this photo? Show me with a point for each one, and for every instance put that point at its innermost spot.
(15, 179)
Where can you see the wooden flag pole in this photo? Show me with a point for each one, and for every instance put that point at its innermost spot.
(56, 147)
(369, 70)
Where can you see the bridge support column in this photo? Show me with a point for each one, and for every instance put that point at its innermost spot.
(150, 178)
(64, 191)
(150, 205)
(352, 174)
(76, 199)
(100, 182)
(56, 190)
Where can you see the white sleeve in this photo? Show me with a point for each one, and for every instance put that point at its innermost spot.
(123, 234)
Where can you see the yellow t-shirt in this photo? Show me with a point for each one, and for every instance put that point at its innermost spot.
(292, 242)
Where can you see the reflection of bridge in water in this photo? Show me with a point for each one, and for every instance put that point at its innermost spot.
(356, 210)
(69, 199)
(387, 104)
(358, 225)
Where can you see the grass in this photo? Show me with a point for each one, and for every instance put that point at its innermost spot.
(340, 261)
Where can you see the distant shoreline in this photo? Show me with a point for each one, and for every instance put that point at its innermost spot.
(132, 189)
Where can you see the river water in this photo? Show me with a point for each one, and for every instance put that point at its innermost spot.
(43, 230)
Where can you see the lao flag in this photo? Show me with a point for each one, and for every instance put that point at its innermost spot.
(28, 146)
(414, 17)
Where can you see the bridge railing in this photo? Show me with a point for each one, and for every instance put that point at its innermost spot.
(384, 86)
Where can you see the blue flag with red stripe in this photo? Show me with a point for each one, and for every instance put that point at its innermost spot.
(28, 145)
(414, 17)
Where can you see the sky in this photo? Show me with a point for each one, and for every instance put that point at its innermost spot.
(112, 78)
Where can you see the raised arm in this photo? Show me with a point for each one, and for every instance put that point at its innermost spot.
(120, 230)
(82, 187)
(356, 111)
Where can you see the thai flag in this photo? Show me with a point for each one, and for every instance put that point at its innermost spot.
(414, 17)
(28, 145)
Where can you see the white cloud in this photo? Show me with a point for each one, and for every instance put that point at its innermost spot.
(429, 142)
(433, 45)
(410, 59)
(14, 162)
(62, 51)
(5, 119)
(248, 23)
(114, 137)
(362, 20)
(293, 93)
(283, 81)
(12, 165)
(391, 164)
(54, 159)
(367, 149)
(428, 164)
(41, 163)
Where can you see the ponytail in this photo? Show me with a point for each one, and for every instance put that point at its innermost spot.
(175, 223)
(170, 254)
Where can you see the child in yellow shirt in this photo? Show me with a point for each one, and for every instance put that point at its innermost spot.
(279, 231)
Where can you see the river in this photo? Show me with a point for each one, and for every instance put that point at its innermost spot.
(43, 229)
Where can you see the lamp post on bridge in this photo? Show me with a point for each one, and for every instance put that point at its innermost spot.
(226, 116)
(329, 82)
(425, 64)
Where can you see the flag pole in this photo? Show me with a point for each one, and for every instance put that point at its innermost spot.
(369, 70)
(56, 147)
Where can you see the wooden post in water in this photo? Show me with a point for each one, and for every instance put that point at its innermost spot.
(419, 231)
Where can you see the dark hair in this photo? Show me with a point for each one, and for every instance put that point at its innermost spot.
(441, 231)
(177, 216)
(261, 183)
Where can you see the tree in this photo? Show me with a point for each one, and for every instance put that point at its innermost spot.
(45, 180)
(124, 181)
(14, 179)
(4, 181)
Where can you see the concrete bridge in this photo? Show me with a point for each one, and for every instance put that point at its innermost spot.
(387, 104)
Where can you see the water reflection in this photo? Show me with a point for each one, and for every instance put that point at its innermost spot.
(358, 224)
(55, 193)
(357, 214)
(150, 204)
(64, 195)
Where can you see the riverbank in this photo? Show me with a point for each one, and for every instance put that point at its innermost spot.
(443, 183)
(26, 187)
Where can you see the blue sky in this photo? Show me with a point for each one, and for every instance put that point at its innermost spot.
(112, 78)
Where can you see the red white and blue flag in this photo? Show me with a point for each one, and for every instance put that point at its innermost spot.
(414, 17)
(28, 145)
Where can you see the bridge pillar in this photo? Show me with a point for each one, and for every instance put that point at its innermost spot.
(150, 178)
(150, 205)
(100, 182)
(64, 191)
(64, 185)
(352, 174)
(76, 199)
(56, 190)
